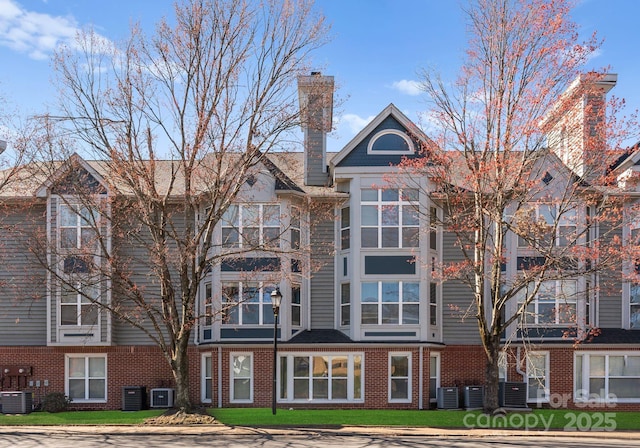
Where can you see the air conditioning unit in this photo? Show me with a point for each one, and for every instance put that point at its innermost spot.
(447, 398)
(16, 402)
(473, 397)
(162, 398)
(134, 398)
(512, 395)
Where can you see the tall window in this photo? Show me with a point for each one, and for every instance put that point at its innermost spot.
(389, 218)
(537, 376)
(433, 304)
(318, 377)
(634, 306)
(634, 293)
(399, 377)
(296, 306)
(345, 304)
(86, 377)
(77, 225)
(390, 303)
(345, 228)
(550, 215)
(295, 228)
(247, 303)
(433, 228)
(251, 226)
(207, 378)
(207, 312)
(241, 377)
(554, 304)
(434, 376)
(77, 305)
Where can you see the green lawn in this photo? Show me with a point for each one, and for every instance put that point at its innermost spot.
(79, 418)
(605, 419)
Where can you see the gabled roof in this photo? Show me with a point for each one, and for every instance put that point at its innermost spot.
(627, 159)
(390, 111)
(73, 163)
(283, 182)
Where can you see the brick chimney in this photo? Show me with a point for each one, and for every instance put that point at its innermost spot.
(577, 132)
(315, 93)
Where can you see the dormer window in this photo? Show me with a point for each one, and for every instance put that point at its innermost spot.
(77, 224)
(390, 141)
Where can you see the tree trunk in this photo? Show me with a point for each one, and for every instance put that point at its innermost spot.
(180, 368)
(491, 402)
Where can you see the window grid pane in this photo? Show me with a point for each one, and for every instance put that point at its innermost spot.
(389, 219)
(322, 377)
(390, 303)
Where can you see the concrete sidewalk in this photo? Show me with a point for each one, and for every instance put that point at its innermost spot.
(381, 431)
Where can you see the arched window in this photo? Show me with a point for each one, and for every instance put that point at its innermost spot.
(390, 141)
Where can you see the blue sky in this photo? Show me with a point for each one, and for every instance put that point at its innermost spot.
(377, 51)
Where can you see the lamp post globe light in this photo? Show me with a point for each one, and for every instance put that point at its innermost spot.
(276, 299)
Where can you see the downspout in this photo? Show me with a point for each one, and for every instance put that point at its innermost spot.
(219, 376)
(420, 379)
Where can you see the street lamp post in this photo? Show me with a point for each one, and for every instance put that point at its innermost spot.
(276, 299)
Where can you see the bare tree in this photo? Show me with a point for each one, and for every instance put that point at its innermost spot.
(520, 163)
(177, 123)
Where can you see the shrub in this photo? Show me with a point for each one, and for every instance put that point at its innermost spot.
(55, 402)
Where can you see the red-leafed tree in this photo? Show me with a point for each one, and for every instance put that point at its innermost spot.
(518, 165)
(177, 123)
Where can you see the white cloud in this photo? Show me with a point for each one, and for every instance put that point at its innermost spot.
(353, 123)
(408, 87)
(33, 33)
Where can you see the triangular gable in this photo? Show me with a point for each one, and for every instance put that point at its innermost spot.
(627, 159)
(391, 114)
(73, 171)
(283, 182)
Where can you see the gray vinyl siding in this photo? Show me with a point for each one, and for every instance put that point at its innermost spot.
(609, 304)
(359, 157)
(322, 281)
(23, 306)
(137, 260)
(316, 172)
(459, 325)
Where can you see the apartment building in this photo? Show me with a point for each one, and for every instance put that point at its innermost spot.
(364, 320)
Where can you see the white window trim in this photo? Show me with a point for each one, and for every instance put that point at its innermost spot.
(503, 366)
(78, 305)
(203, 377)
(409, 378)
(260, 224)
(400, 303)
(536, 301)
(380, 205)
(261, 304)
(630, 270)
(350, 377)
(296, 226)
(344, 228)
(85, 356)
(344, 305)
(579, 389)
(565, 220)
(437, 357)
(400, 134)
(232, 377)
(296, 305)
(70, 202)
(545, 398)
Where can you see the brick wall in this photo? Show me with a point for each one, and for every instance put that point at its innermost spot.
(145, 366)
(126, 366)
